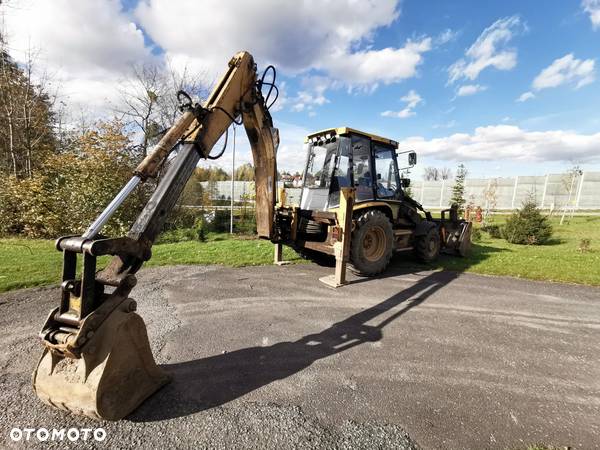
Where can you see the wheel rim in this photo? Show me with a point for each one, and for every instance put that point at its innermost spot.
(432, 246)
(374, 243)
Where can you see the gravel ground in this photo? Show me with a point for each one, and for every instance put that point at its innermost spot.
(267, 357)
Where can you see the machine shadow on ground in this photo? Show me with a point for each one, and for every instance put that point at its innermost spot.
(216, 380)
(478, 254)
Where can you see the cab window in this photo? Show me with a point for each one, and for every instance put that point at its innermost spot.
(363, 173)
(385, 172)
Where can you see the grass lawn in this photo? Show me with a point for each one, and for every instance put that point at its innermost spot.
(27, 263)
(559, 261)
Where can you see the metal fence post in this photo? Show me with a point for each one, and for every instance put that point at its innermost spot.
(544, 193)
(487, 194)
(579, 190)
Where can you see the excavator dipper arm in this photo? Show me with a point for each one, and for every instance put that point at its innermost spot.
(97, 359)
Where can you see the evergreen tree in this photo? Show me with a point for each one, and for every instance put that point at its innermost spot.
(528, 226)
(458, 190)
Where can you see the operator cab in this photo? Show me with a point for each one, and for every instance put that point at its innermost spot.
(345, 157)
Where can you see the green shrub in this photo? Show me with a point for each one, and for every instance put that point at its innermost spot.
(181, 217)
(201, 229)
(528, 226)
(495, 231)
(246, 224)
(177, 235)
(220, 223)
(476, 234)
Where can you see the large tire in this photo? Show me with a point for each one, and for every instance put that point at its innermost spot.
(372, 244)
(427, 247)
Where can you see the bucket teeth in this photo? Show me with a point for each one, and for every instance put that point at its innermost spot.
(114, 375)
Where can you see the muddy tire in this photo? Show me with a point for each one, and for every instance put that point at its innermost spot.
(427, 247)
(372, 244)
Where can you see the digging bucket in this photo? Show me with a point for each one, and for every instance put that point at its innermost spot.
(113, 373)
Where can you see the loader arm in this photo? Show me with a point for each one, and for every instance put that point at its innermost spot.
(97, 359)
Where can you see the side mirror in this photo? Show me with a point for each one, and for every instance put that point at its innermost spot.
(412, 159)
(405, 182)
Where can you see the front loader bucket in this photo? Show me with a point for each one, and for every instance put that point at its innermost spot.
(457, 237)
(114, 374)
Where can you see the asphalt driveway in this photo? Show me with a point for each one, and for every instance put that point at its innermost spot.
(269, 357)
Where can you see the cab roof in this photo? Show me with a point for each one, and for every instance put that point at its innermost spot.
(340, 131)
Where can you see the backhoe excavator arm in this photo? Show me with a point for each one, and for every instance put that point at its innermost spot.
(237, 93)
(196, 131)
(92, 315)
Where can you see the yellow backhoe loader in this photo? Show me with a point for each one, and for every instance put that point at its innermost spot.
(97, 359)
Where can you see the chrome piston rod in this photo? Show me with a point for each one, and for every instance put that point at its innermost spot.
(95, 227)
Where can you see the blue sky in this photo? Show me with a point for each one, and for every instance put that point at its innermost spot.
(395, 68)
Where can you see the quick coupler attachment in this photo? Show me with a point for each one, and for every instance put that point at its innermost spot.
(97, 359)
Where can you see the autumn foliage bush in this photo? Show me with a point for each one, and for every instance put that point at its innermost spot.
(71, 188)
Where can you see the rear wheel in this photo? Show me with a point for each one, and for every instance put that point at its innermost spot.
(372, 244)
(427, 247)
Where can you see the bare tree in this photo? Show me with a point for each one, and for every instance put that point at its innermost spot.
(445, 173)
(25, 114)
(196, 85)
(431, 174)
(36, 104)
(435, 174)
(8, 75)
(491, 200)
(569, 183)
(149, 100)
(140, 97)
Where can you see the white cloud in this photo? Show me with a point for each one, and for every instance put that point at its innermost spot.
(87, 45)
(312, 93)
(497, 142)
(446, 36)
(592, 7)
(388, 65)
(566, 70)
(449, 124)
(489, 50)
(290, 154)
(470, 89)
(91, 45)
(333, 37)
(525, 96)
(402, 114)
(412, 99)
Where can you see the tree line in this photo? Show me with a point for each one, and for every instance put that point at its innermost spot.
(58, 173)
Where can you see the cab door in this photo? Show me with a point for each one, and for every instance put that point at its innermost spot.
(362, 163)
(386, 180)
